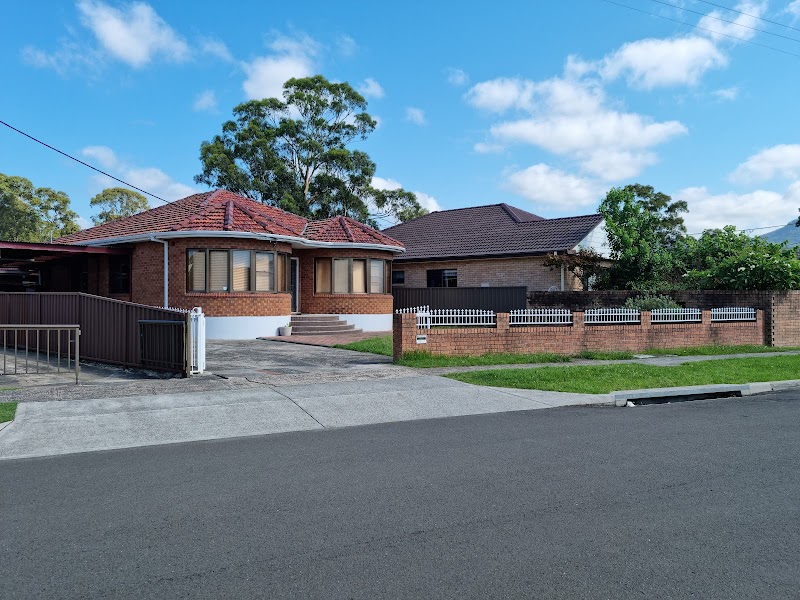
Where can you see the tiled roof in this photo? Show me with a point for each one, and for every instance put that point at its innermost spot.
(494, 230)
(226, 211)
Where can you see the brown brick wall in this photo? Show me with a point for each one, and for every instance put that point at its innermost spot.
(568, 340)
(501, 272)
(785, 323)
(363, 304)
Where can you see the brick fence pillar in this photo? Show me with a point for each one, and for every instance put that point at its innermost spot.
(404, 334)
(502, 322)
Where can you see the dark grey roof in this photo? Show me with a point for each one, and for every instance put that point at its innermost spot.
(494, 230)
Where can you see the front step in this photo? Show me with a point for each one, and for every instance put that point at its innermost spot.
(320, 325)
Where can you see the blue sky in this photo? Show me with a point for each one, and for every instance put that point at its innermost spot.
(543, 105)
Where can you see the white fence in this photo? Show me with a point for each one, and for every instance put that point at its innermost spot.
(540, 316)
(197, 342)
(603, 316)
(733, 313)
(455, 318)
(676, 315)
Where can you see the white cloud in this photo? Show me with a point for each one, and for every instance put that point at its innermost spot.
(794, 8)
(151, 179)
(742, 26)
(371, 88)
(726, 94)
(216, 48)
(653, 63)
(459, 77)
(782, 160)
(83, 222)
(346, 45)
(427, 201)
(292, 57)
(134, 35)
(382, 183)
(416, 115)
(551, 187)
(487, 148)
(205, 101)
(501, 94)
(70, 56)
(616, 165)
(759, 208)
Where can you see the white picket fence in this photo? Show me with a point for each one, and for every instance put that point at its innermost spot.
(540, 316)
(733, 313)
(464, 317)
(676, 315)
(603, 316)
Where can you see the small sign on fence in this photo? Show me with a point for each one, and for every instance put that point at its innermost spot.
(422, 339)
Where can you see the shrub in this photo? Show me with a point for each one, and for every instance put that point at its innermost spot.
(651, 302)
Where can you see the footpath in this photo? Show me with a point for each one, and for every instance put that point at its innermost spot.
(349, 390)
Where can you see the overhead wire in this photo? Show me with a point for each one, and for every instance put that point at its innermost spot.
(85, 164)
(749, 15)
(734, 37)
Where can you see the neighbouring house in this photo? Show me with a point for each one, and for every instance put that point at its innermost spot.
(491, 246)
(248, 265)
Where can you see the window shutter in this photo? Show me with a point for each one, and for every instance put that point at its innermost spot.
(376, 279)
(359, 277)
(322, 275)
(341, 276)
(196, 266)
(241, 270)
(264, 271)
(218, 270)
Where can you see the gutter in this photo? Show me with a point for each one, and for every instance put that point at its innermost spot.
(166, 268)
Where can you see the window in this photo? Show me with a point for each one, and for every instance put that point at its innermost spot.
(443, 278)
(236, 271)
(350, 276)
(119, 274)
(398, 277)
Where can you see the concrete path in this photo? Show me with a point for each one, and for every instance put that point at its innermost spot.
(50, 428)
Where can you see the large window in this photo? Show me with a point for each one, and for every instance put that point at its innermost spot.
(442, 278)
(236, 271)
(350, 276)
(119, 274)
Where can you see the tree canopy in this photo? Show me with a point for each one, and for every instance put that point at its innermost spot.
(117, 203)
(31, 214)
(294, 153)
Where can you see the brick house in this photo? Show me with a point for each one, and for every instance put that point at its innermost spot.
(249, 266)
(491, 246)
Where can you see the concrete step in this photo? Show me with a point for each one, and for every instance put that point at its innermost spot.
(317, 323)
(324, 331)
(326, 318)
(338, 327)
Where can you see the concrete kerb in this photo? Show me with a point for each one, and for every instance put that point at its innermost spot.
(698, 392)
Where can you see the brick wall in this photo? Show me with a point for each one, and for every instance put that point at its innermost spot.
(785, 323)
(354, 304)
(575, 338)
(501, 272)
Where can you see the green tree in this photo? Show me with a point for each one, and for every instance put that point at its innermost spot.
(722, 259)
(117, 203)
(587, 265)
(294, 153)
(645, 231)
(30, 214)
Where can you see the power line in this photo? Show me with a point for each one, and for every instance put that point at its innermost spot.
(749, 15)
(748, 229)
(697, 12)
(81, 162)
(703, 28)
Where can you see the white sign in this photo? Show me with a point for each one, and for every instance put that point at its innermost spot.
(422, 339)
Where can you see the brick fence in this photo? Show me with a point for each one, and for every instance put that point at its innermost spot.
(574, 338)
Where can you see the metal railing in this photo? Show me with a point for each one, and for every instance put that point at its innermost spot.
(676, 315)
(414, 309)
(604, 316)
(733, 313)
(197, 342)
(540, 316)
(37, 349)
(455, 318)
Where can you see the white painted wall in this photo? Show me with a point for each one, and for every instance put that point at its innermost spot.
(244, 328)
(369, 322)
(597, 239)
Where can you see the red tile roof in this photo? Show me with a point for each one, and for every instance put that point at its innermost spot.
(494, 230)
(225, 211)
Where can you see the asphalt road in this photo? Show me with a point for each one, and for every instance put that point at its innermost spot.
(686, 500)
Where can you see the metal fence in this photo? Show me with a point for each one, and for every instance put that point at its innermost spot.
(455, 318)
(39, 349)
(676, 315)
(733, 313)
(609, 316)
(109, 328)
(540, 316)
(496, 299)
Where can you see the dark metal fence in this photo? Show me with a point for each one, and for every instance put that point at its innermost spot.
(38, 349)
(110, 330)
(498, 299)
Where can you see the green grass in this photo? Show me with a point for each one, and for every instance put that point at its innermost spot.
(424, 360)
(377, 345)
(602, 379)
(608, 355)
(715, 350)
(7, 410)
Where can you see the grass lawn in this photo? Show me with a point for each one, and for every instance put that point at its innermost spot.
(714, 350)
(377, 345)
(424, 360)
(7, 410)
(602, 379)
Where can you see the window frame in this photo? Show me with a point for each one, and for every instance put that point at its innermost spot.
(403, 277)
(387, 267)
(117, 275)
(252, 288)
(445, 275)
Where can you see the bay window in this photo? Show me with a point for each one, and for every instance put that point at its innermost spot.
(350, 276)
(210, 270)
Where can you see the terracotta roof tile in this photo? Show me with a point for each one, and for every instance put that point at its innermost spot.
(345, 229)
(494, 230)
